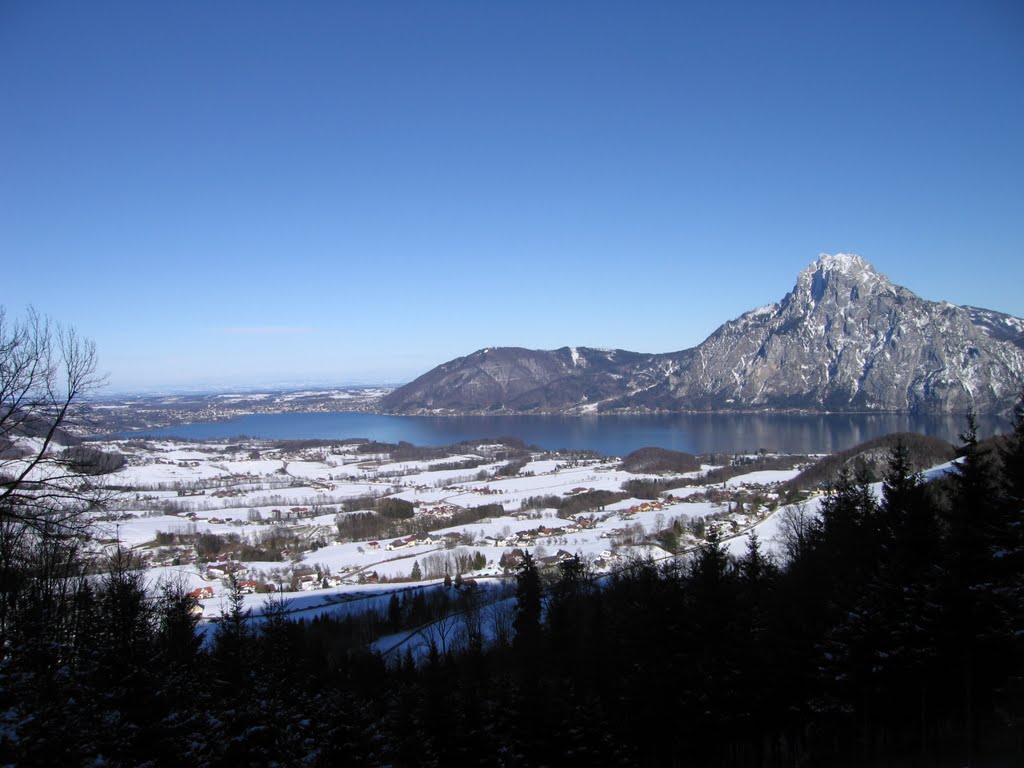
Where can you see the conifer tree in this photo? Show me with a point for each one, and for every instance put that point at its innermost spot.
(879, 658)
(711, 611)
(1012, 456)
(233, 635)
(850, 521)
(528, 605)
(394, 612)
(760, 670)
(567, 607)
(1009, 563)
(977, 634)
(177, 618)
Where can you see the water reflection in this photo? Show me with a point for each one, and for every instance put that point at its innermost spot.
(611, 435)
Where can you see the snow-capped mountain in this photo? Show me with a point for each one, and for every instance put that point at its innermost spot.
(844, 339)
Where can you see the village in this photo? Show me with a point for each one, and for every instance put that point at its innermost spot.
(337, 520)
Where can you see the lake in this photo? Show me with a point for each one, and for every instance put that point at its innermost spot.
(609, 435)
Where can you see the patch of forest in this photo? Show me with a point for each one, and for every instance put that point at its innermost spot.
(729, 467)
(869, 458)
(887, 633)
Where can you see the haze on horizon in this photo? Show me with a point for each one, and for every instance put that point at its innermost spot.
(250, 194)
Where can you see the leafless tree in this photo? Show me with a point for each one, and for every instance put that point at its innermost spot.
(471, 603)
(797, 525)
(441, 632)
(47, 490)
(502, 621)
(45, 370)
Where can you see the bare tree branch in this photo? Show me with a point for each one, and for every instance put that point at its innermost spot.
(45, 369)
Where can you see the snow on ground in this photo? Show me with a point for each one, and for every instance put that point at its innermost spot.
(139, 531)
(316, 483)
(411, 468)
(692, 490)
(763, 477)
(941, 469)
(153, 474)
(771, 531)
(243, 493)
(254, 467)
(309, 470)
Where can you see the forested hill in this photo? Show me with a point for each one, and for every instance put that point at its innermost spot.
(844, 339)
(888, 633)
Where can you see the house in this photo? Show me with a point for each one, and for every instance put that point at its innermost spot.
(220, 570)
(511, 559)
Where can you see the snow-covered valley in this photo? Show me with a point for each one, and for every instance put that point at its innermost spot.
(304, 521)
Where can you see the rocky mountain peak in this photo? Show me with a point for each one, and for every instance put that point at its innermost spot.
(845, 277)
(843, 263)
(845, 338)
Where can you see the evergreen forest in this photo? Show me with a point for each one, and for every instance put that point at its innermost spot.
(889, 631)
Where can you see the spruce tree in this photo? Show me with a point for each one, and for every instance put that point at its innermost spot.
(713, 674)
(528, 606)
(233, 635)
(976, 633)
(1009, 562)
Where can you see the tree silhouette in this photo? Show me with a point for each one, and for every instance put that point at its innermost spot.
(528, 606)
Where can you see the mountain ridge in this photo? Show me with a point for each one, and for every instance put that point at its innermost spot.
(845, 338)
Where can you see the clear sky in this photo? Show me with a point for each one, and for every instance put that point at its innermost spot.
(244, 193)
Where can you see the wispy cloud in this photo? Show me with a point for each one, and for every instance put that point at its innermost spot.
(266, 330)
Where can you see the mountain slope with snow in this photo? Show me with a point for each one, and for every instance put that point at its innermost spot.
(844, 339)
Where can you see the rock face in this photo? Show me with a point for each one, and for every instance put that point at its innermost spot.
(844, 339)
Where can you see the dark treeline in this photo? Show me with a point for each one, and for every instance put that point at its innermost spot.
(660, 460)
(891, 633)
(870, 458)
(652, 488)
(395, 518)
(566, 506)
(514, 448)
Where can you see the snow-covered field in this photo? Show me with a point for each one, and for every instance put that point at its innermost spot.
(274, 515)
(338, 528)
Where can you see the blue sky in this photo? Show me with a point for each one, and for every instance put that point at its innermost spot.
(248, 193)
